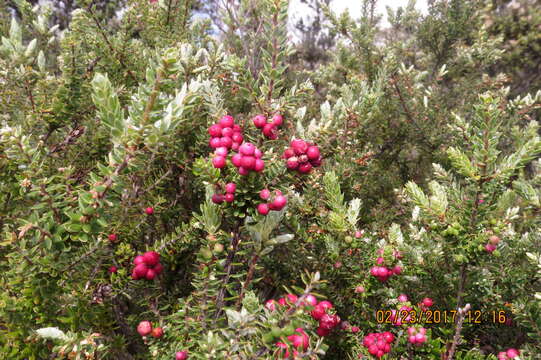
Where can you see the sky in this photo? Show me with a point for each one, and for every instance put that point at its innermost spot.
(297, 9)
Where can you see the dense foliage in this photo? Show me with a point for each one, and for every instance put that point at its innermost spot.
(180, 180)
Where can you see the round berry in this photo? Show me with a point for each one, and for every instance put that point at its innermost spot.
(218, 161)
(259, 165)
(215, 130)
(217, 198)
(230, 188)
(299, 146)
(113, 269)
(428, 302)
(288, 153)
(279, 202)
(140, 270)
(292, 163)
(144, 328)
(149, 210)
(221, 151)
(151, 274)
(229, 198)
(310, 300)
(270, 131)
(271, 305)
(226, 142)
(157, 332)
(277, 119)
(243, 171)
(235, 160)
(263, 209)
(151, 258)
(181, 355)
(312, 152)
(112, 237)
(158, 268)
(139, 259)
(227, 121)
(248, 162)
(258, 154)
(305, 168)
(247, 149)
(215, 142)
(494, 240)
(259, 121)
(265, 194)
(237, 138)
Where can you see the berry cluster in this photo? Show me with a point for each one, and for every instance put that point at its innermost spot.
(248, 158)
(509, 354)
(225, 134)
(145, 328)
(493, 242)
(302, 156)
(327, 322)
(229, 196)
(147, 266)
(383, 273)
(277, 203)
(269, 129)
(417, 336)
(378, 344)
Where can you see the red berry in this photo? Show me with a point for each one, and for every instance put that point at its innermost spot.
(230, 188)
(158, 268)
(355, 329)
(316, 162)
(247, 149)
(279, 202)
(292, 163)
(277, 119)
(270, 131)
(149, 210)
(388, 337)
(215, 142)
(428, 302)
(305, 168)
(291, 298)
(227, 132)
(259, 121)
(112, 237)
(181, 355)
(322, 332)
(226, 142)
(150, 275)
(113, 269)
(259, 165)
(263, 209)
(325, 304)
(215, 130)
(157, 332)
(271, 305)
(139, 259)
(243, 171)
(235, 159)
(229, 198)
(380, 260)
(288, 153)
(265, 194)
(140, 270)
(237, 138)
(227, 121)
(310, 300)
(402, 298)
(490, 248)
(151, 258)
(217, 198)
(258, 154)
(218, 162)
(299, 146)
(318, 312)
(221, 151)
(327, 321)
(248, 162)
(144, 328)
(312, 152)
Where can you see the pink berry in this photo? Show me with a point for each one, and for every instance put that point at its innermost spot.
(380, 260)
(247, 162)
(325, 305)
(305, 168)
(263, 209)
(310, 300)
(490, 248)
(243, 171)
(229, 198)
(215, 130)
(227, 132)
(412, 339)
(237, 138)
(235, 159)
(227, 121)
(512, 353)
(217, 198)
(312, 152)
(265, 194)
(428, 302)
(299, 146)
(218, 162)
(230, 188)
(403, 298)
(292, 163)
(258, 154)
(271, 305)
(318, 312)
(259, 121)
(288, 153)
(316, 162)
(113, 269)
(359, 289)
(291, 298)
(358, 234)
(279, 202)
(151, 274)
(112, 237)
(247, 149)
(277, 119)
(226, 142)
(144, 328)
(397, 270)
(221, 151)
(259, 165)
(181, 355)
(235, 146)
(355, 329)
(270, 132)
(215, 142)
(139, 259)
(494, 240)
(140, 270)
(151, 258)
(237, 128)
(149, 210)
